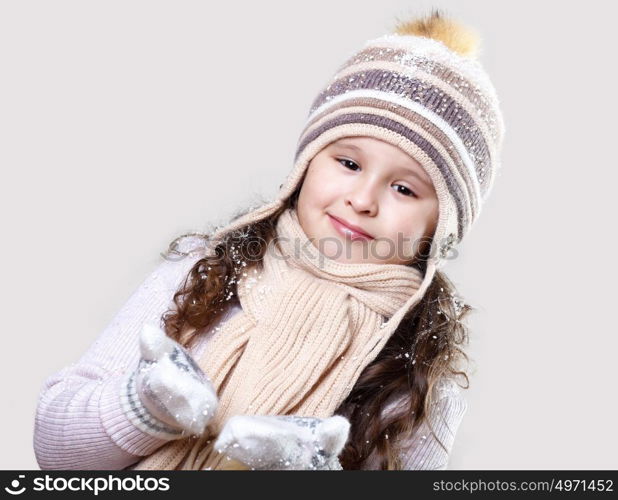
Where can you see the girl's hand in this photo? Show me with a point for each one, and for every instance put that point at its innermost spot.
(168, 395)
(284, 442)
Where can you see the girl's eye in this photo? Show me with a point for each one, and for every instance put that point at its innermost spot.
(407, 191)
(349, 162)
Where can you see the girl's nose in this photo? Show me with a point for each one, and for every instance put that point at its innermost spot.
(363, 198)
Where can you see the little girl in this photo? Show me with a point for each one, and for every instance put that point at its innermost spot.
(315, 331)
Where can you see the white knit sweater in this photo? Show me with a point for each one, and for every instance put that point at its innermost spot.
(79, 423)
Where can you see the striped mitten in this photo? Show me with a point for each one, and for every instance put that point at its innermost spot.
(168, 395)
(284, 442)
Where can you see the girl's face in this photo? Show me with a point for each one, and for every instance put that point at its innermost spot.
(374, 186)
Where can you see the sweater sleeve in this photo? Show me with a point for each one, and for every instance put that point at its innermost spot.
(422, 451)
(79, 422)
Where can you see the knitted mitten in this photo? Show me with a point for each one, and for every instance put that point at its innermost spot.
(168, 395)
(284, 442)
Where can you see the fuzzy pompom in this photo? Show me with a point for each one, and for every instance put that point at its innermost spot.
(459, 38)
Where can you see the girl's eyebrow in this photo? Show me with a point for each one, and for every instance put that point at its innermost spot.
(406, 171)
(401, 170)
(345, 145)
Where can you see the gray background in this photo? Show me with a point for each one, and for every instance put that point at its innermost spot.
(125, 123)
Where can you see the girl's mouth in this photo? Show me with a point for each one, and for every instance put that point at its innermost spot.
(347, 231)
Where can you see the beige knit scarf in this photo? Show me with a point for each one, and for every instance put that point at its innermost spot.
(309, 325)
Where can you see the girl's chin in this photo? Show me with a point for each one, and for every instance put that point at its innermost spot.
(344, 252)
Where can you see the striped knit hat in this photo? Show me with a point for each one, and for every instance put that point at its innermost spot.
(423, 90)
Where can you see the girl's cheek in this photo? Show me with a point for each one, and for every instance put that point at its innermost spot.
(331, 194)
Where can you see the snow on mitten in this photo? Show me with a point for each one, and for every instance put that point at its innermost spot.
(284, 442)
(168, 395)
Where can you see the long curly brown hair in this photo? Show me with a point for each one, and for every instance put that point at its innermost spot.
(433, 331)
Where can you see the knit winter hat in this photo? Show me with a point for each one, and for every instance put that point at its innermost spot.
(423, 90)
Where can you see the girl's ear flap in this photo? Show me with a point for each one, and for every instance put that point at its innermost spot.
(333, 433)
